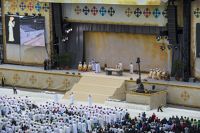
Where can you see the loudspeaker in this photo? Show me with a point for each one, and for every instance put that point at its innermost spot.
(57, 19)
(197, 40)
(172, 24)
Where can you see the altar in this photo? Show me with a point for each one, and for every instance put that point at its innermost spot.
(109, 71)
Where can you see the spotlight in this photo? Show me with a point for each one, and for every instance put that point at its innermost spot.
(39, 14)
(34, 14)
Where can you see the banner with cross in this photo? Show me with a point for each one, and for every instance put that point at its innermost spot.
(22, 6)
(94, 11)
(111, 11)
(102, 11)
(30, 6)
(156, 13)
(137, 12)
(13, 6)
(45, 7)
(147, 12)
(77, 10)
(38, 7)
(128, 12)
(86, 10)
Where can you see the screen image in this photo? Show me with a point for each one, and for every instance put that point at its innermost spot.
(12, 29)
(32, 30)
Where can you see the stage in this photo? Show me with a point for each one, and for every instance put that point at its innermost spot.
(100, 85)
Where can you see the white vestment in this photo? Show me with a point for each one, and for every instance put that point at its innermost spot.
(90, 101)
(71, 99)
(131, 68)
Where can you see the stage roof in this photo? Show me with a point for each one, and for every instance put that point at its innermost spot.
(118, 2)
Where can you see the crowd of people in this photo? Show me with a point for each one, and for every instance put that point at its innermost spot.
(21, 115)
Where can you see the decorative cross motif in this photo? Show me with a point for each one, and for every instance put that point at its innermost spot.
(197, 12)
(30, 6)
(156, 13)
(45, 7)
(102, 11)
(94, 11)
(38, 7)
(22, 6)
(147, 12)
(13, 5)
(7, 5)
(128, 12)
(66, 83)
(16, 78)
(185, 95)
(86, 10)
(137, 12)
(32, 79)
(49, 81)
(77, 10)
(164, 13)
(111, 11)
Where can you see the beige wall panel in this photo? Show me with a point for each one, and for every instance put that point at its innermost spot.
(39, 80)
(110, 48)
(179, 93)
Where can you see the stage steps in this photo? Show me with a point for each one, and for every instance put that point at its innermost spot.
(101, 89)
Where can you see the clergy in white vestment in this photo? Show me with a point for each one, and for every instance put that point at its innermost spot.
(75, 130)
(93, 65)
(71, 101)
(83, 127)
(131, 68)
(90, 100)
(89, 125)
(120, 65)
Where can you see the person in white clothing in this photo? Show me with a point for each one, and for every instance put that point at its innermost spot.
(11, 25)
(131, 68)
(90, 100)
(71, 102)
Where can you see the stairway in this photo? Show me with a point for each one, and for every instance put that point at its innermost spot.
(101, 89)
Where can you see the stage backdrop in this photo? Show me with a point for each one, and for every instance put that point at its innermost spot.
(19, 51)
(111, 48)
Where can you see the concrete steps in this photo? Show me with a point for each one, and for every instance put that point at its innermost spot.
(101, 89)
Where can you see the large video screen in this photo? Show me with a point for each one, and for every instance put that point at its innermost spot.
(32, 30)
(25, 39)
(25, 30)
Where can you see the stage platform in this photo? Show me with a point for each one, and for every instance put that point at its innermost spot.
(100, 85)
